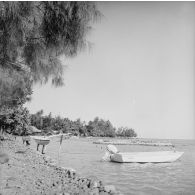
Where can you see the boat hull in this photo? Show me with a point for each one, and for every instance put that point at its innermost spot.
(146, 157)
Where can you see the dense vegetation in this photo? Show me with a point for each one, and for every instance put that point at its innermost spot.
(14, 120)
(97, 128)
(15, 90)
(126, 132)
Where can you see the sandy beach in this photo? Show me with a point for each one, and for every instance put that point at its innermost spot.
(28, 172)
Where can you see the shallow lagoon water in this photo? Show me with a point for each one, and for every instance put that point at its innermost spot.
(130, 178)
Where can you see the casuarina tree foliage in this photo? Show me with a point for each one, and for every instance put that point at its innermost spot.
(34, 34)
(15, 88)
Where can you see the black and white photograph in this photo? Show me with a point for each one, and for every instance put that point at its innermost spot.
(97, 97)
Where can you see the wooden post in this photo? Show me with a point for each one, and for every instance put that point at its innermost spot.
(61, 138)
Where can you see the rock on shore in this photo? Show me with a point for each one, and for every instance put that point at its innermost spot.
(30, 173)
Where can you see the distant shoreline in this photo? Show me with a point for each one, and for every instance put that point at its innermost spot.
(136, 141)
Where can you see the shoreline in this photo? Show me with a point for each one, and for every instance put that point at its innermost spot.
(29, 172)
(119, 141)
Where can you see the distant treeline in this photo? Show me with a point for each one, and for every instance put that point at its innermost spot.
(18, 120)
(97, 128)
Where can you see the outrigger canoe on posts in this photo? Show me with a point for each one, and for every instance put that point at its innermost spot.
(44, 140)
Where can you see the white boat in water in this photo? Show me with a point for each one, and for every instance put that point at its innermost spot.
(143, 157)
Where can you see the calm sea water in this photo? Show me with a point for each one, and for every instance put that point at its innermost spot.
(176, 178)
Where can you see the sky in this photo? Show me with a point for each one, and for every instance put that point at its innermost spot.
(138, 74)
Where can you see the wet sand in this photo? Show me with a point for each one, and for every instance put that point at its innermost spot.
(28, 172)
